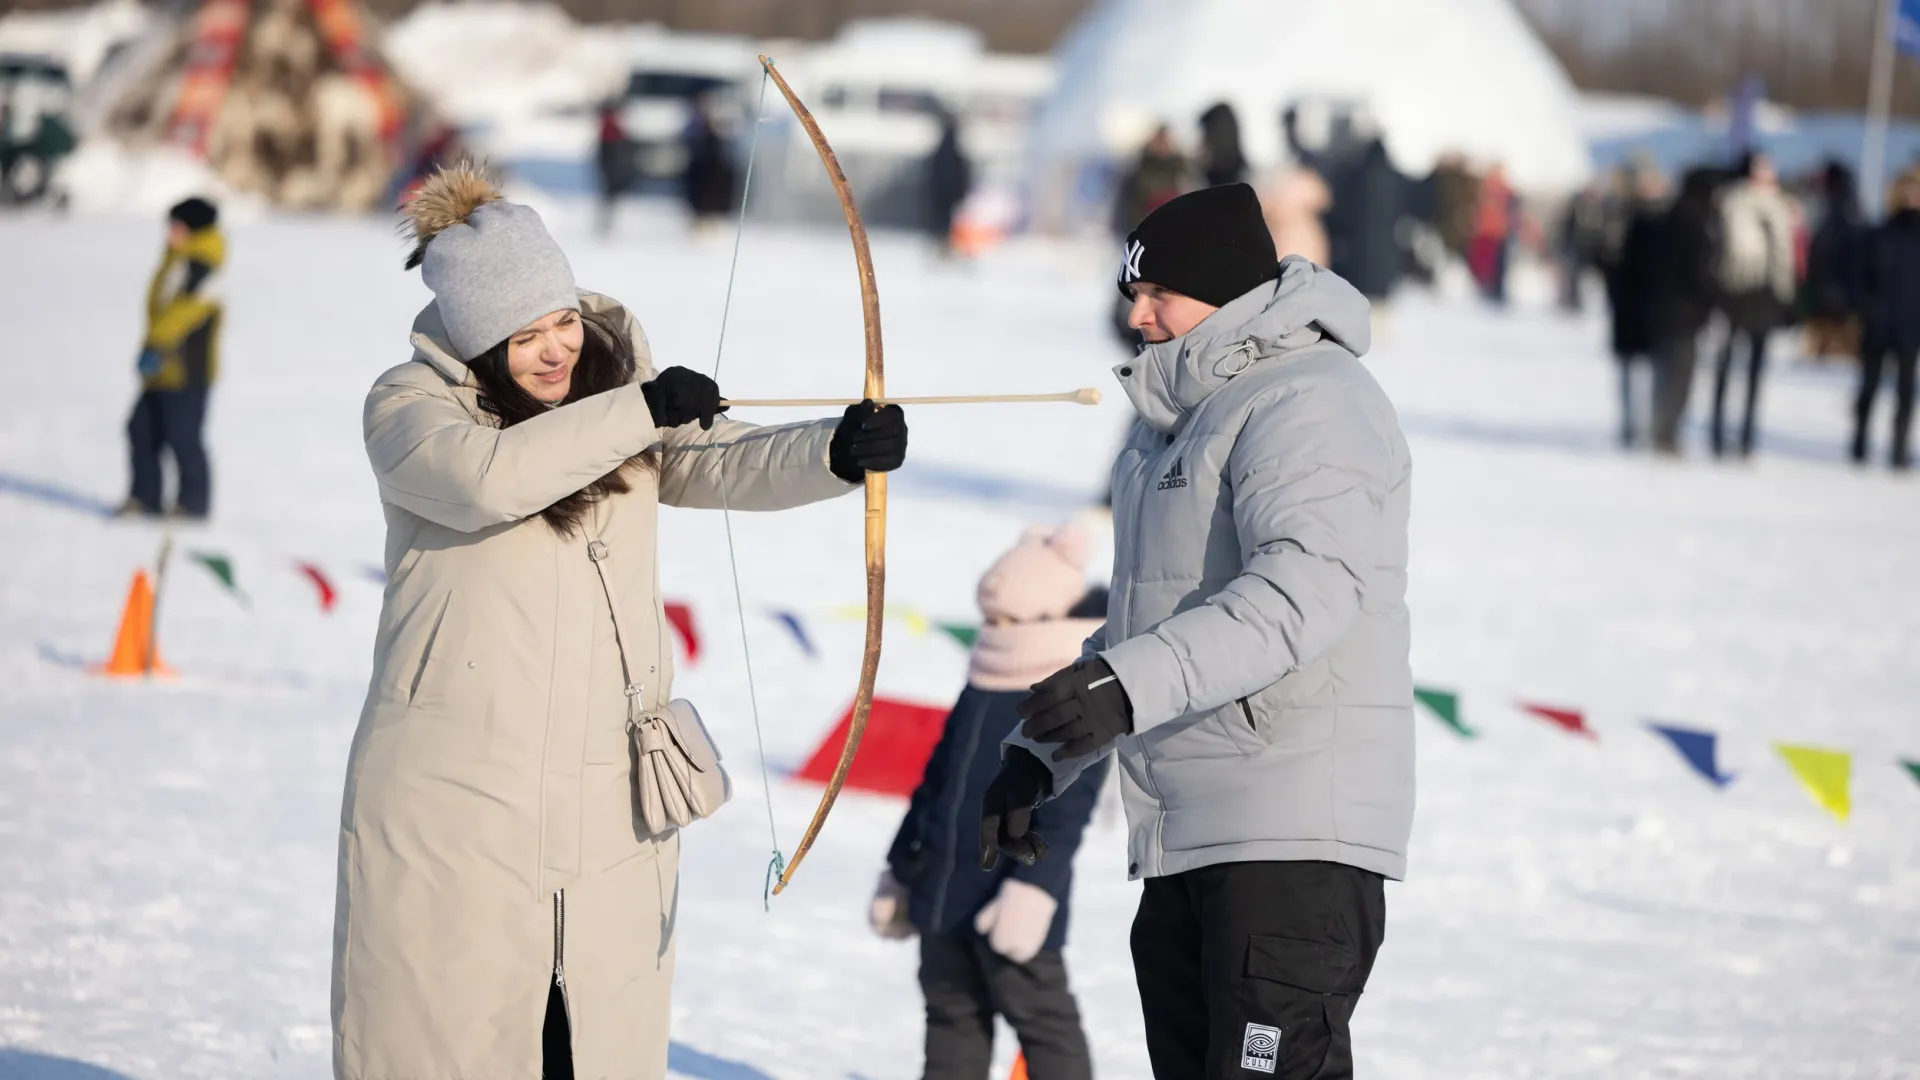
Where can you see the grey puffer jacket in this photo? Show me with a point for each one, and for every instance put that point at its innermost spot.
(1258, 615)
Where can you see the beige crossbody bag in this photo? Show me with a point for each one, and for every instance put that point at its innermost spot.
(677, 777)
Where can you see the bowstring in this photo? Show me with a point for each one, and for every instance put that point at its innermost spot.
(777, 864)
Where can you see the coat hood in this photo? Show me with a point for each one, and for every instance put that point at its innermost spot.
(1304, 306)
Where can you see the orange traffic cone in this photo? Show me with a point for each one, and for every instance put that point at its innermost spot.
(1019, 1067)
(135, 652)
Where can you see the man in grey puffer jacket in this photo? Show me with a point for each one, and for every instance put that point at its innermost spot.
(1252, 676)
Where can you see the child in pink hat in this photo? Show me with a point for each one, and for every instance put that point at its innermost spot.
(990, 941)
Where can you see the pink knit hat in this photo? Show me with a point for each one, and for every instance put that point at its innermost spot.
(1042, 577)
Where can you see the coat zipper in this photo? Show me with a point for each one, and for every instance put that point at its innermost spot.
(1133, 560)
(953, 814)
(560, 943)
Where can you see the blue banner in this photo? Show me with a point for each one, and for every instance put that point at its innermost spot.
(1906, 27)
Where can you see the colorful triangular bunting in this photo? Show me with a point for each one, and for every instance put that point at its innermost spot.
(791, 621)
(220, 567)
(1824, 773)
(1698, 748)
(1571, 720)
(374, 574)
(961, 632)
(681, 616)
(1914, 768)
(328, 595)
(1445, 706)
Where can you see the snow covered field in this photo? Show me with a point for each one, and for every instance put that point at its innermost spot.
(1574, 909)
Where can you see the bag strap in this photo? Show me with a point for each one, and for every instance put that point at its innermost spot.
(597, 551)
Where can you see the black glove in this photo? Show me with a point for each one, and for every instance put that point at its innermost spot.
(1006, 812)
(1082, 707)
(870, 438)
(680, 396)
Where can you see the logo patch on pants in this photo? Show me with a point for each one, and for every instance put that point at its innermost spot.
(1260, 1050)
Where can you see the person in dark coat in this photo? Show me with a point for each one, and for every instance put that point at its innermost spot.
(179, 359)
(949, 177)
(1222, 161)
(1892, 327)
(1625, 266)
(1369, 198)
(1834, 296)
(710, 184)
(614, 161)
(991, 941)
(1677, 271)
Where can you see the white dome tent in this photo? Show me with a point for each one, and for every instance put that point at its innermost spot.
(1437, 75)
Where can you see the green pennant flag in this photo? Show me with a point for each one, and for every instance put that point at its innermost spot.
(1446, 707)
(1914, 768)
(221, 567)
(1824, 773)
(962, 633)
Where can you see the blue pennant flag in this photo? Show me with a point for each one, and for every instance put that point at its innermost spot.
(792, 622)
(1698, 747)
(1906, 27)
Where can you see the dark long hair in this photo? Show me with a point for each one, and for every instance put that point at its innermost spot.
(606, 362)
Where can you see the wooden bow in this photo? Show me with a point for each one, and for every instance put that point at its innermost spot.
(876, 481)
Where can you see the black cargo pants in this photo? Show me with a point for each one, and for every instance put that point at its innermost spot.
(1253, 969)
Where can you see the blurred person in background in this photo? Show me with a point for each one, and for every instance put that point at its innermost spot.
(1294, 199)
(1496, 226)
(1456, 199)
(1757, 274)
(1252, 675)
(1159, 174)
(949, 177)
(1582, 242)
(505, 906)
(614, 162)
(1625, 259)
(1835, 291)
(1891, 290)
(1369, 198)
(1676, 268)
(990, 943)
(1221, 161)
(179, 358)
(710, 184)
(1156, 177)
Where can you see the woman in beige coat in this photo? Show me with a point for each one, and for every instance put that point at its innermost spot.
(503, 913)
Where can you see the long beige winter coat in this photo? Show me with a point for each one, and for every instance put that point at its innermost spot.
(490, 771)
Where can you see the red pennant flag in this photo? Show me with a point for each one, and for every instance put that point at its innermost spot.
(900, 738)
(1570, 719)
(681, 616)
(327, 593)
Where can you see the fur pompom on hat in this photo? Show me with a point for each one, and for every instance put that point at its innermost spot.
(1041, 578)
(491, 264)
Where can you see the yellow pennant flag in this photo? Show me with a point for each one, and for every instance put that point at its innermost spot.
(1824, 773)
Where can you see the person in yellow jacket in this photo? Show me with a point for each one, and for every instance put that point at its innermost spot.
(178, 361)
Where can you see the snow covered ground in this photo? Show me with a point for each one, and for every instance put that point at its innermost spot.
(1574, 909)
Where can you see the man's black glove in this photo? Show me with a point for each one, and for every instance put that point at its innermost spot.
(870, 438)
(680, 396)
(1006, 812)
(1082, 707)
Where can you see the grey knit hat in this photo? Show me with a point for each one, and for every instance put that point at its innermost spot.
(491, 264)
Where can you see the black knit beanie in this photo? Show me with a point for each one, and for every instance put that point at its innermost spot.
(195, 213)
(1211, 244)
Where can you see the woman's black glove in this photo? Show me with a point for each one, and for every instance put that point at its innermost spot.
(680, 396)
(1082, 707)
(870, 438)
(1006, 811)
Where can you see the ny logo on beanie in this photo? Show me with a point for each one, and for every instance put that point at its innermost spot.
(1130, 262)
